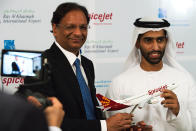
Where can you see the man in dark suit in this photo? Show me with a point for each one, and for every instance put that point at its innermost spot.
(70, 26)
(18, 115)
(15, 67)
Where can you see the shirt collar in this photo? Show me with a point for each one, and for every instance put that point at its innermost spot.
(70, 56)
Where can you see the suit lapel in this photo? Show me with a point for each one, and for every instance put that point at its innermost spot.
(67, 75)
(90, 76)
(87, 72)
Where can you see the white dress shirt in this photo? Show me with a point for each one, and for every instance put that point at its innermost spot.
(54, 128)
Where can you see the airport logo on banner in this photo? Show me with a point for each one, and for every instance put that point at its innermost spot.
(181, 22)
(100, 46)
(101, 18)
(180, 47)
(162, 13)
(9, 44)
(19, 16)
(102, 83)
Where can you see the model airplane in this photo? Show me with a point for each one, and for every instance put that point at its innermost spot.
(139, 100)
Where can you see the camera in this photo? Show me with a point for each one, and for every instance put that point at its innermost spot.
(31, 65)
(24, 93)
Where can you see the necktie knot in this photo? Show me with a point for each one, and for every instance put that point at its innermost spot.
(77, 63)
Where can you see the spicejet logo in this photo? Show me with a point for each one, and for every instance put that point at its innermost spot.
(105, 101)
(151, 92)
(180, 46)
(103, 18)
(12, 80)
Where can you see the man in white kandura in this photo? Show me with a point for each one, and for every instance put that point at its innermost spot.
(151, 65)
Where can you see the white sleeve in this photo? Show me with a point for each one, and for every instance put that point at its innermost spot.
(192, 104)
(186, 119)
(103, 125)
(182, 122)
(54, 128)
(113, 93)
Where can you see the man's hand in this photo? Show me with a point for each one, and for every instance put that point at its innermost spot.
(54, 114)
(34, 101)
(141, 126)
(171, 101)
(119, 121)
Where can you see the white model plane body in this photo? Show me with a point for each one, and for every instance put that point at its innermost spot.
(147, 97)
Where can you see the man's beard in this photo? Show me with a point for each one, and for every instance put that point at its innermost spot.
(153, 61)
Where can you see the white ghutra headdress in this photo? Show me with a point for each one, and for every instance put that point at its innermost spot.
(143, 25)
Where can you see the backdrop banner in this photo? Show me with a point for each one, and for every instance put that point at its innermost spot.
(25, 24)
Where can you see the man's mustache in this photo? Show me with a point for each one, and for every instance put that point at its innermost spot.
(74, 37)
(159, 52)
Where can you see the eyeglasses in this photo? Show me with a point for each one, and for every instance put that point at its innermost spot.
(71, 28)
(151, 39)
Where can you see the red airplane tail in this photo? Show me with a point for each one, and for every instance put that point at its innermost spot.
(109, 104)
(105, 102)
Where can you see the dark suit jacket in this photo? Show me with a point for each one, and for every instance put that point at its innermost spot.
(17, 115)
(65, 87)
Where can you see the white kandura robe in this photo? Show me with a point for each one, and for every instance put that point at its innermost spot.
(135, 81)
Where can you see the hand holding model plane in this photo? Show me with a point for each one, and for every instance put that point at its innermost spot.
(171, 101)
(122, 122)
(141, 126)
(119, 122)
